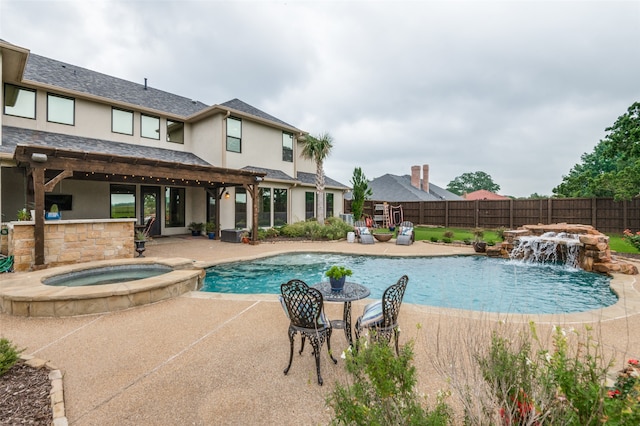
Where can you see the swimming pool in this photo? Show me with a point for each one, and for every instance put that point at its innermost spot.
(466, 282)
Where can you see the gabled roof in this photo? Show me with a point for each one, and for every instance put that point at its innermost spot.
(237, 104)
(12, 136)
(483, 194)
(395, 188)
(70, 77)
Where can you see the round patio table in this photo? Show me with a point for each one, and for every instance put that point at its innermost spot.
(351, 291)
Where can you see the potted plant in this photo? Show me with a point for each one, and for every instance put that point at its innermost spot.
(140, 239)
(478, 244)
(24, 214)
(53, 213)
(210, 228)
(244, 237)
(337, 276)
(196, 228)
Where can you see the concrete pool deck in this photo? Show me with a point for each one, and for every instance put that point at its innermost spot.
(205, 359)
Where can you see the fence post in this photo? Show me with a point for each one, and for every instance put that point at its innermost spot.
(510, 213)
(446, 213)
(476, 212)
(549, 210)
(625, 206)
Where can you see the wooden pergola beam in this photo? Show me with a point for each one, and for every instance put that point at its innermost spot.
(96, 166)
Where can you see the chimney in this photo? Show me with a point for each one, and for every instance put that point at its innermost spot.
(415, 176)
(425, 177)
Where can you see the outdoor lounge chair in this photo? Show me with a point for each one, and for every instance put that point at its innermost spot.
(406, 236)
(381, 317)
(362, 232)
(6, 264)
(304, 308)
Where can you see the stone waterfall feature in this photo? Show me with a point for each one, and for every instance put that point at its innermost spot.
(578, 245)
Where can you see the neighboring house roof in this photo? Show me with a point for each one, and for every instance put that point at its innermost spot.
(11, 136)
(398, 188)
(303, 177)
(59, 74)
(483, 194)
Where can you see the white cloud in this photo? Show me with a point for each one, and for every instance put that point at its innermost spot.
(517, 89)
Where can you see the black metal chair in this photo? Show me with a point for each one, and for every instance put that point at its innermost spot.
(304, 307)
(382, 316)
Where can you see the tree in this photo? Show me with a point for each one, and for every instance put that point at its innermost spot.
(361, 192)
(469, 182)
(317, 149)
(613, 168)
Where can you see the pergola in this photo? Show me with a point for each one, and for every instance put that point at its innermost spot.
(47, 166)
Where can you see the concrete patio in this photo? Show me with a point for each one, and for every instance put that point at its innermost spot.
(205, 358)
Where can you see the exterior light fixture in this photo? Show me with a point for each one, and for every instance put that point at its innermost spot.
(226, 195)
(37, 157)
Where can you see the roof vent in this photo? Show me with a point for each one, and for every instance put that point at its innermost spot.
(145, 83)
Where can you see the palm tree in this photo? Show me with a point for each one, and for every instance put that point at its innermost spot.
(318, 149)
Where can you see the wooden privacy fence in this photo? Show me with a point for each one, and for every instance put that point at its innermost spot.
(604, 214)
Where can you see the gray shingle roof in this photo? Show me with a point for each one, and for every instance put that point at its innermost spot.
(11, 136)
(395, 188)
(305, 178)
(49, 71)
(237, 104)
(310, 179)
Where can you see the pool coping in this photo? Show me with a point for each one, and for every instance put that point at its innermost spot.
(624, 286)
(27, 295)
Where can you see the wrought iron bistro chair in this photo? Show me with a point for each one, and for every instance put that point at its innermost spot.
(406, 236)
(382, 316)
(304, 308)
(362, 232)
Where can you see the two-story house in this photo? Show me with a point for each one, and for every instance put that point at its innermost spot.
(102, 147)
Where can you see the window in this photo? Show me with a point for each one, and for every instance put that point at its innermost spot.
(329, 205)
(19, 101)
(234, 134)
(174, 207)
(241, 208)
(309, 205)
(287, 147)
(280, 207)
(264, 208)
(60, 109)
(123, 201)
(175, 131)
(121, 121)
(149, 127)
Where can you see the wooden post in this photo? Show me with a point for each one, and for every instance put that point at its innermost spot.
(38, 230)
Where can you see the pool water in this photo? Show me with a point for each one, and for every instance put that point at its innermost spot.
(465, 282)
(107, 275)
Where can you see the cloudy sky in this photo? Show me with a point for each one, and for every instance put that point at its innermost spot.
(517, 89)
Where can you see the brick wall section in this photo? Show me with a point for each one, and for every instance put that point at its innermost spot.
(73, 241)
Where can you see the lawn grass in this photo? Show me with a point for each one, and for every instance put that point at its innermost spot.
(616, 242)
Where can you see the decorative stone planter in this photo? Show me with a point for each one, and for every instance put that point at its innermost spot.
(383, 238)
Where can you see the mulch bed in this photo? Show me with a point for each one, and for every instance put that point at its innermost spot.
(24, 396)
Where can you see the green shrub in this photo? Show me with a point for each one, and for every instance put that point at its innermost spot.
(433, 239)
(446, 240)
(383, 390)
(8, 355)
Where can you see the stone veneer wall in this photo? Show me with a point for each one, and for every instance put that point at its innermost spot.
(72, 241)
(595, 255)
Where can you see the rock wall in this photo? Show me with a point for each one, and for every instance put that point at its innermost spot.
(595, 254)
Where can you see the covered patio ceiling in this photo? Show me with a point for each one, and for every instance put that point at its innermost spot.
(49, 165)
